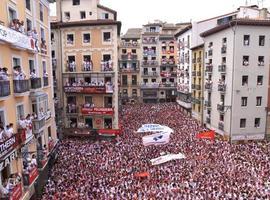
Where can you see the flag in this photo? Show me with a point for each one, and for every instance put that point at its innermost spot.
(154, 128)
(156, 139)
(142, 174)
(210, 135)
(167, 158)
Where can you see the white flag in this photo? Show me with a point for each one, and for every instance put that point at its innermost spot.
(167, 158)
(154, 128)
(156, 139)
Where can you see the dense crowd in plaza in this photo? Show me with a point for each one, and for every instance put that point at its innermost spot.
(211, 170)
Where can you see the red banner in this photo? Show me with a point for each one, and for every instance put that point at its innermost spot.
(86, 89)
(210, 135)
(142, 175)
(109, 132)
(97, 111)
(33, 175)
(165, 74)
(16, 192)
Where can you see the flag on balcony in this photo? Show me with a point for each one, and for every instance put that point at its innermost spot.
(210, 135)
(156, 139)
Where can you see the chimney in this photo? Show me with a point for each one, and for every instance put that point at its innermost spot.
(263, 13)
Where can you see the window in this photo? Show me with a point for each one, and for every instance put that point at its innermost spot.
(134, 92)
(243, 123)
(105, 16)
(70, 39)
(246, 40)
(108, 102)
(76, 2)
(245, 60)
(12, 14)
(31, 65)
(16, 62)
(20, 112)
(261, 60)
(257, 122)
(124, 51)
(124, 79)
(83, 15)
(133, 51)
(261, 40)
(221, 117)
(224, 41)
(2, 118)
(244, 80)
(41, 12)
(49, 132)
(52, 36)
(106, 57)
(107, 36)
(67, 15)
(258, 101)
(244, 101)
(42, 34)
(134, 79)
(90, 13)
(28, 4)
(88, 99)
(28, 25)
(86, 38)
(108, 123)
(44, 68)
(259, 80)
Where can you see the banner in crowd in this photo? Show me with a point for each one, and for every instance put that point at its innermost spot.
(109, 132)
(154, 128)
(210, 135)
(167, 158)
(156, 139)
(142, 175)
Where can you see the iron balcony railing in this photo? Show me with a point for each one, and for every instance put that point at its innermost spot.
(4, 88)
(21, 86)
(35, 83)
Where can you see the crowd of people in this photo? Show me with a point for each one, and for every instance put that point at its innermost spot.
(108, 169)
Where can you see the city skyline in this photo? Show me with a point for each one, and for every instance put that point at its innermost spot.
(130, 18)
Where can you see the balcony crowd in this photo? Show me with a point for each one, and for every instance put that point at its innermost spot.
(109, 169)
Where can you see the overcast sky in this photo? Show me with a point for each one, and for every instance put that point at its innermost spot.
(135, 13)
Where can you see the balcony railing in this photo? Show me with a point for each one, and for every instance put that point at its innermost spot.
(21, 86)
(221, 126)
(223, 49)
(150, 85)
(208, 120)
(208, 86)
(130, 69)
(106, 66)
(199, 73)
(220, 108)
(35, 83)
(168, 85)
(207, 104)
(222, 68)
(149, 63)
(4, 88)
(45, 81)
(149, 40)
(168, 74)
(71, 67)
(152, 53)
(97, 111)
(129, 57)
(199, 60)
(38, 125)
(193, 73)
(129, 44)
(155, 74)
(167, 61)
(209, 68)
(72, 109)
(222, 87)
(43, 47)
(87, 67)
(30, 177)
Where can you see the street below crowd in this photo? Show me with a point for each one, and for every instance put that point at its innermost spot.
(121, 168)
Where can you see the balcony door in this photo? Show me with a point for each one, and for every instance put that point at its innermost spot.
(108, 102)
(89, 123)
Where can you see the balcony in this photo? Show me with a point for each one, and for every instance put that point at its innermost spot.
(41, 158)
(168, 85)
(221, 126)
(152, 53)
(72, 109)
(194, 60)
(30, 177)
(150, 85)
(199, 60)
(149, 40)
(222, 68)
(208, 86)
(45, 81)
(35, 83)
(8, 145)
(88, 89)
(106, 66)
(210, 52)
(129, 57)
(21, 86)
(71, 67)
(223, 49)
(222, 87)
(43, 47)
(14, 194)
(198, 87)
(193, 86)
(149, 63)
(131, 44)
(167, 62)
(38, 125)
(193, 73)
(207, 104)
(220, 108)
(129, 70)
(152, 74)
(97, 111)
(209, 68)
(199, 73)
(4, 88)
(87, 66)
(167, 74)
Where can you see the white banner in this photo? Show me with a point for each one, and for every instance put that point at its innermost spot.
(167, 158)
(156, 139)
(16, 38)
(154, 128)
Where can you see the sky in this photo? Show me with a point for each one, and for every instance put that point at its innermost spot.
(135, 13)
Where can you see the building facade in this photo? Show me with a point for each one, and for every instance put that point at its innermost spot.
(197, 95)
(86, 34)
(129, 65)
(28, 131)
(237, 83)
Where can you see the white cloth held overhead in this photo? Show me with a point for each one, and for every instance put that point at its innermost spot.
(154, 128)
(167, 158)
(156, 139)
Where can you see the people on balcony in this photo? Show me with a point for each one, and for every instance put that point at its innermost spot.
(29, 163)
(17, 25)
(4, 74)
(88, 105)
(18, 73)
(71, 108)
(107, 65)
(43, 46)
(33, 74)
(9, 184)
(87, 65)
(71, 65)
